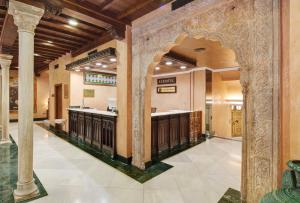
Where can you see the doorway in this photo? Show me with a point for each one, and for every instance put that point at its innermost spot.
(58, 101)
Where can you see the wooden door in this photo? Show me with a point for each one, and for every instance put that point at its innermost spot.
(58, 101)
(236, 118)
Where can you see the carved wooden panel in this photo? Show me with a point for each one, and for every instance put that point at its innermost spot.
(184, 128)
(163, 133)
(80, 131)
(97, 123)
(88, 128)
(174, 131)
(73, 116)
(108, 134)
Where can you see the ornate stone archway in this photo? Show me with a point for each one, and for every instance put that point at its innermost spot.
(250, 28)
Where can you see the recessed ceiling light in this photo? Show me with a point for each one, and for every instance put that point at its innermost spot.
(169, 63)
(35, 54)
(157, 68)
(50, 42)
(98, 64)
(113, 59)
(201, 49)
(183, 67)
(104, 66)
(77, 70)
(87, 68)
(73, 22)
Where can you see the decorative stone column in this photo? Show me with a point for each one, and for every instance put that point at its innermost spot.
(5, 61)
(26, 17)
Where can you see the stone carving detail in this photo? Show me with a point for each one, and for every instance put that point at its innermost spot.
(26, 17)
(249, 28)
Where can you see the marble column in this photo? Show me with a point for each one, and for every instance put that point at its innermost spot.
(26, 17)
(5, 61)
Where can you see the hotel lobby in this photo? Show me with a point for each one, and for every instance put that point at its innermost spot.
(154, 101)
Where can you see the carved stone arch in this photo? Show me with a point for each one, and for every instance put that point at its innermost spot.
(250, 29)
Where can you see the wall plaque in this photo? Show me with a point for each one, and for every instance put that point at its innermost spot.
(166, 81)
(88, 93)
(167, 89)
(93, 78)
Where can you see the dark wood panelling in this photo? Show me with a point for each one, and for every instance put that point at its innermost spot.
(169, 132)
(88, 128)
(96, 130)
(81, 125)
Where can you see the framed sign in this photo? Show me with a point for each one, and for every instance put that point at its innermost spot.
(106, 79)
(166, 81)
(89, 93)
(166, 89)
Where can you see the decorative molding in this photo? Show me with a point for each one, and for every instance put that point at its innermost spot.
(5, 60)
(198, 69)
(250, 29)
(26, 17)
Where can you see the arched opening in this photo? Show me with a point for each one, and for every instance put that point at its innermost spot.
(193, 92)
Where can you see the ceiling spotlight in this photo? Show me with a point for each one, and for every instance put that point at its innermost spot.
(50, 42)
(157, 68)
(87, 68)
(183, 67)
(35, 54)
(169, 63)
(77, 70)
(98, 64)
(73, 22)
(199, 50)
(113, 59)
(104, 66)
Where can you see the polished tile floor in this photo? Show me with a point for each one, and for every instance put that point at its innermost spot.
(200, 174)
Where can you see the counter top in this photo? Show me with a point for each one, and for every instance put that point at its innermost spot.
(169, 113)
(94, 111)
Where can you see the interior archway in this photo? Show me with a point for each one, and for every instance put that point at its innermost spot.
(191, 60)
(256, 47)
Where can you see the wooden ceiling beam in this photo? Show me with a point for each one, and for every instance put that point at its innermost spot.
(63, 18)
(55, 39)
(52, 32)
(80, 28)
(62, 29)
(105, 4)
(59, 45)
(90, 12)
(101, 40)
(134, 9)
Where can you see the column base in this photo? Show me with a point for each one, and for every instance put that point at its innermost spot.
(25, 191)
(5, 142)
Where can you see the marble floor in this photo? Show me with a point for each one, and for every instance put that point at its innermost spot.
(200, 174)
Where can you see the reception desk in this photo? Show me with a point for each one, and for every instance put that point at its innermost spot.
(173, 130)
(95, 128)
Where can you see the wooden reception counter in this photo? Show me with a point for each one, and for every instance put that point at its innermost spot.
(174, 129)
(95, 128)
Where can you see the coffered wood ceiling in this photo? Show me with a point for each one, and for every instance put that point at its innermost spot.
(99, 21)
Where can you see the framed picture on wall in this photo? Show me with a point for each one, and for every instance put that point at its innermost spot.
(167, 90)
(105, 79)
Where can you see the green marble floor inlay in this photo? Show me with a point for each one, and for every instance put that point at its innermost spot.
(231, 196)
(8, 174)
(139, 175)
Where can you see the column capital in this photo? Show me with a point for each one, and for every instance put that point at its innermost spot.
(26, 17)
(5, 60)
